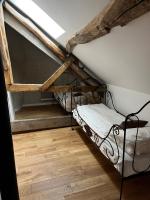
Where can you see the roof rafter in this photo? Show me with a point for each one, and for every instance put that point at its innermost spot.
(32, 28)
(117, 12)
(90, 83)
(56, 75)
(4, 50)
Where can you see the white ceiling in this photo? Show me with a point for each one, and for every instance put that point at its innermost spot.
(121, 58)
(71, 15)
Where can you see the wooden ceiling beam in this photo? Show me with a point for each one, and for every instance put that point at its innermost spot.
(56, 75)
(117, 12)
(133, 13)
(33, 29)
(18, 87)
(4, 50)
(84, 76)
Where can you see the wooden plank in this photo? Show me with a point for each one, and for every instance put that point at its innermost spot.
(41, 123)
(56, 75)
(39, 34)
(57, 51)
(84, 76)
(54, 48)
(64, 88)
(117, 12)
(69, 88)
(4, 50)
(94, 29)
(62, 164)
(22, 30)
(133, 13)
(18, 87)
(48, 43)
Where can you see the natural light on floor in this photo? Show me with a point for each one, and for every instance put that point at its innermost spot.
(40, 17)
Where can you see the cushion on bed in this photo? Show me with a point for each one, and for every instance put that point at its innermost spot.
(133, 124)
(99, 117)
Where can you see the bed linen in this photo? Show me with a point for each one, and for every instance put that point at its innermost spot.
(100, 119)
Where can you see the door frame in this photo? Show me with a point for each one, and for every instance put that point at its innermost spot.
(8, 177)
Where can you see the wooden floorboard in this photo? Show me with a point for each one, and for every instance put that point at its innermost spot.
(62, 164)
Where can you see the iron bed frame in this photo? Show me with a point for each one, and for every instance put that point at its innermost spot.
(115, 129)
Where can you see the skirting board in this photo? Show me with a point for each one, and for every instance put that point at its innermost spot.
(41, 123)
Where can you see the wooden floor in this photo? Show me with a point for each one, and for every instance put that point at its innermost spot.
(62, 164)
(33, 112)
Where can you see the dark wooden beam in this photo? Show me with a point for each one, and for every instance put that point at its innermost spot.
(117, 12)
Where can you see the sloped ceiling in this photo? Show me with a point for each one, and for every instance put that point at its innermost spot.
(121, 58)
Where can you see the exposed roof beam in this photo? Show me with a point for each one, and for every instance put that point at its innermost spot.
(56, 75)
(23, 31)
(84, 76)
(117, 12)
(18, 87)
(32, 28)
(4, 50)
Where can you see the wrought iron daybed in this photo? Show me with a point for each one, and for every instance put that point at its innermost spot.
(124, 140)
(125, 144)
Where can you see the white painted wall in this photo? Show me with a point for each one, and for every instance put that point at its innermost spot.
(121, 58)
(129, 101)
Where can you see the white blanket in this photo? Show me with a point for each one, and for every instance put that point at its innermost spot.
(142, 140)
(100, 119)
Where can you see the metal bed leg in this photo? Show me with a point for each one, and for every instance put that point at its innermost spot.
(71, 113)
(121, 188)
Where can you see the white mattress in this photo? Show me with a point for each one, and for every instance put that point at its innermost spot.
(100, 119)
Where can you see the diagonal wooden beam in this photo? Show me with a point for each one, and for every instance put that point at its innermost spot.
(84, 76)
(32, 28)
(117, 12)
(56, 75)
(4, 50)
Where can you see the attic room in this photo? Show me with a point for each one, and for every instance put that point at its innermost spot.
(75, 99)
